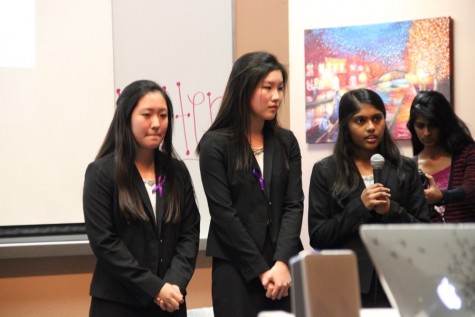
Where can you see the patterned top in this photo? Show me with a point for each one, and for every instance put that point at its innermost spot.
(459, 197)
(442, 179)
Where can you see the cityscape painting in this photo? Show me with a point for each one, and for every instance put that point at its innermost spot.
(395, 59)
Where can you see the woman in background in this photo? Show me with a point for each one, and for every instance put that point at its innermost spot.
(343, 194)
(445, 151)
(251, 173)
(140, 212)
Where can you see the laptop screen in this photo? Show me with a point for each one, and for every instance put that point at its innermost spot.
(425, 269)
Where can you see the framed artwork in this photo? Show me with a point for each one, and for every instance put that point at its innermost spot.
(395, 59)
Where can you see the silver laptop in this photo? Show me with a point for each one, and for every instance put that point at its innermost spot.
(325, 284)
(427, 270)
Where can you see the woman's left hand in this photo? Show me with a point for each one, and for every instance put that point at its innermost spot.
(277, 281)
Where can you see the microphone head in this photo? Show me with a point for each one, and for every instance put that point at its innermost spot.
(377, 161)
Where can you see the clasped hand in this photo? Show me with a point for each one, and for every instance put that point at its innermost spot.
(277, 281)
(169, 298)
(377, 197)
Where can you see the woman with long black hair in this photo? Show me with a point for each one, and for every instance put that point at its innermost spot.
(251, 173)
(444, 150)
(140, 212)
(343, 194)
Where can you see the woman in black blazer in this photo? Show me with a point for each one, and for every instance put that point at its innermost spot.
(343, 194)
(140, 212)
(251, 173)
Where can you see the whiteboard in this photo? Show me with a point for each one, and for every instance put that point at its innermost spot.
(187, 47)
(55, 114)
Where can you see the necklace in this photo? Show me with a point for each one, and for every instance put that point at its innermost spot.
(369, 178)
(258, 151)
(149, 182)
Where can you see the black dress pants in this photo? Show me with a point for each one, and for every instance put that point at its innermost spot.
(235, 297)
(376, 297)
(106, 308)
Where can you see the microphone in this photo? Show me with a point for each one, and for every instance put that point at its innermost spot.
(377, 162)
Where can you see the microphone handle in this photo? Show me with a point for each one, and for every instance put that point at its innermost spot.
(377, 175)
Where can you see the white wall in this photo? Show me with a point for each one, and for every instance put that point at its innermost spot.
(311, 14)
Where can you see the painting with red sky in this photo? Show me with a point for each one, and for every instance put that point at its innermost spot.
(395, 59)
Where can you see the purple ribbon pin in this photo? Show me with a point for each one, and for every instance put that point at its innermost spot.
(159, 187)
(257, 173)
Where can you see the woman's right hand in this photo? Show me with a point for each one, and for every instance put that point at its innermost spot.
(377, 197)
(433, 193)
(169, 298)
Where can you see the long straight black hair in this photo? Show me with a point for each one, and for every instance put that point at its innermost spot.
(347, 176)
(435, 108)
(234, 114)
(120, 141)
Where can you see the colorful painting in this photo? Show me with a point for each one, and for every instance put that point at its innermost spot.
(394, 59)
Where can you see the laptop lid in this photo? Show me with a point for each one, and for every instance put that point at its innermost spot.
(325, 284)
(425, 269)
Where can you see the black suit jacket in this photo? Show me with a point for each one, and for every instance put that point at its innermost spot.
(241, 213)
(136, 258)
(335, 225)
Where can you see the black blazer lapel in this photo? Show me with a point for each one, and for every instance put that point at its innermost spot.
(160, 207)
(385, 173)
(269, 148)
(144, 195)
